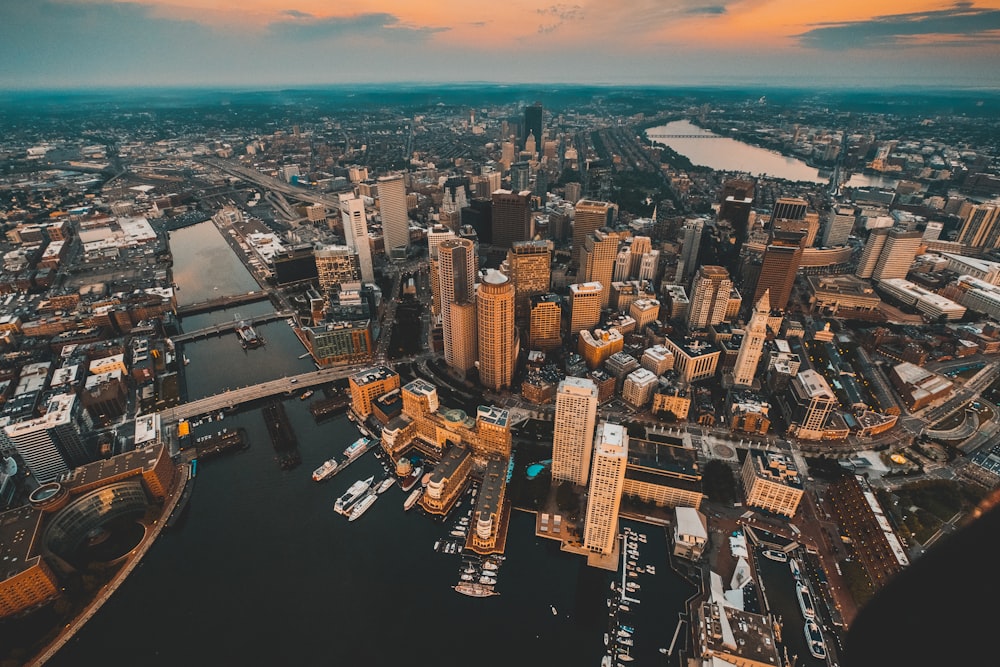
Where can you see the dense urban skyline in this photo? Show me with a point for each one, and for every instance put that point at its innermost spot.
(60, 43)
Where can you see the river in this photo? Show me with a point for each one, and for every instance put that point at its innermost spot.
(262, 571)
(726, 154)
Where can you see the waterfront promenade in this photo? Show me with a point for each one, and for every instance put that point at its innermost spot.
(134, 558)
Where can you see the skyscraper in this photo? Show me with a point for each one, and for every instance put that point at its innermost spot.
(896, 257)
(529, 267)
(589, 216)
(839, 225)
(532, 123)
(584, 306)
(520, 176)
(457, 277)
(573, 430)
(395, 217)
(777, 269)
(336, 264)
(709, 297)
(870, 255)
(511, 217)
(981, 226)
(545, 327)
(597, 262)
(498, 342)
(607, 481)
(788, 208)
(352, 213)
(754, 336)
(690, 243)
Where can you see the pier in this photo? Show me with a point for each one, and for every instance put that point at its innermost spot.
(282, 436)
(219, 443)
(329, 406)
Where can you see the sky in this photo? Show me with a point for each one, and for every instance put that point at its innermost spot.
(282, 43)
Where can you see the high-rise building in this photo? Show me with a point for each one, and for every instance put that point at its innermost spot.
(573, 430)
(808, 226)
(395, 215)
(981, 226)
(709, 297)
(498, 342)
(520, 176)
(52, 444)
(511, 217)
(607, 481)
(457, 277)
(529, 267)
(597, 262)
(544, 329)
(690, 244)
(896, 257)
(589, 216)
(788, 208)
(873, 249)
(777, 269)
(585, 306)
(839, 225)
(752, 346)
(336, 264)
(532, 123)
(435, 236)
(352, 214)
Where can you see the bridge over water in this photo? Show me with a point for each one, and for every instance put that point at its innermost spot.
(685, 136)
(221, 302)
(227, 327)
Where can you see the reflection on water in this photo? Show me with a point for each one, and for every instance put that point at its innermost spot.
(727, 154)
(205, 267)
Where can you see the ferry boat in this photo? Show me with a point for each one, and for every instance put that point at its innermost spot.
(385, 484)
(412, 499)
(793, 565)
(775, 555)
(411, 480)
(353, 493)
(814, 640)
(249, 338)
(805, 601)
(306, 394)
(326, 471)
(475, 590)
(362, 506)
(357, 448)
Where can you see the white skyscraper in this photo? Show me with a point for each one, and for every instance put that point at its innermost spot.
(607, 481)
(352, 213)
(573, 430)
(395, 218)
(709, 297)
(753, 343)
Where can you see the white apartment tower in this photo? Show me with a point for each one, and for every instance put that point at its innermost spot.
(753, 343)
(607, 481)
(352, 214)
(573, 430)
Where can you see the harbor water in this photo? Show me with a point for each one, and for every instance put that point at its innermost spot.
(262, 571)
